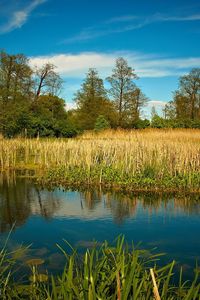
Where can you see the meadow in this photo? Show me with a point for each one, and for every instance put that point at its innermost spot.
(147, 159)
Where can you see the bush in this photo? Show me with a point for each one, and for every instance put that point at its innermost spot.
(65, 129)
(158, 122)
(141, 124)
(101, 123)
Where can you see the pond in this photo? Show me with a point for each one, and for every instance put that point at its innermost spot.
(44, 217)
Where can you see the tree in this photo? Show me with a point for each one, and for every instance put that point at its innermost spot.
(132, 108)
(50, 117)
(187, 98)
(50, 106)
(92, 101)
(15, 93)
(182, 106)
(141, 124)
(158, 122)
(153, 112)
(15, 117)
(169, 111)
(122, 86)
(16, 77)
(19, 114)
(47, 81)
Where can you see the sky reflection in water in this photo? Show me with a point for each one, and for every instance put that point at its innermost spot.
(43, 218)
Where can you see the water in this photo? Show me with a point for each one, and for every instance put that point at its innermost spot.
(43, 218)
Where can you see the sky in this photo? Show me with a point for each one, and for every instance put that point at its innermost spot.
(159, 38)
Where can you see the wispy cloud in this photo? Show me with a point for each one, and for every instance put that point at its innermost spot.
(17, 18)
(145, 65)
(179, 18)
(121, 19)
(126, 23)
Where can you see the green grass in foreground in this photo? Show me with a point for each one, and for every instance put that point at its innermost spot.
(101, 273)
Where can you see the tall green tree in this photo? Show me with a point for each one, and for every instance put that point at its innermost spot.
(187, 98)
(92, 101)
(122, 87)
(136, 100)
(169, 111)
(19, 113)
(49, 117)
(16, 91)
(16, 77)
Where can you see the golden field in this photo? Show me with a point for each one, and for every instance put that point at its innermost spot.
(149, 153)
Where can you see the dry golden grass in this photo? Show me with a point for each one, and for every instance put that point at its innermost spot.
(173, 151)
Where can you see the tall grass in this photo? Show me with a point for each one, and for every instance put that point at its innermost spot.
(118, 272)
(150, 158)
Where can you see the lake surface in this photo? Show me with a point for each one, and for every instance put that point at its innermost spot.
(43, 218)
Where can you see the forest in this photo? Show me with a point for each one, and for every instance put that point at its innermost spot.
(30, 104)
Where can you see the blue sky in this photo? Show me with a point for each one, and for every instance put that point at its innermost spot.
(160, 39)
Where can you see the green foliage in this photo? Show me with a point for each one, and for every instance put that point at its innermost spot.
(15, 117)
(24, 112)
(92, 101)
(65, 129)
(107, 272)
(101, 123)
(141, 124)
(50, 118)
(45, 117)
(148, 178)
(186, 103)
(157, 122)
(127, 97)
(16, 77)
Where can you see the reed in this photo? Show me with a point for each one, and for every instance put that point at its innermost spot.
(135, 158)
(107, 272)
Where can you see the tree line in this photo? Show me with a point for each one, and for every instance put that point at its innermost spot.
(30, 104)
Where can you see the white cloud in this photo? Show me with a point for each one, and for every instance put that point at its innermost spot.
(157, 103)
(76, 65)
(19, 17)
(70, 105)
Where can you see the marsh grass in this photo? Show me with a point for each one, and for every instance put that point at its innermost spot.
(105, 272)
(135, 159)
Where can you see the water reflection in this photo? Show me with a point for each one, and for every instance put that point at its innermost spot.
(14, 203)
(123, 205)
(20, 199)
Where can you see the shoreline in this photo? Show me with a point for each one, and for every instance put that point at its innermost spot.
(55, 178)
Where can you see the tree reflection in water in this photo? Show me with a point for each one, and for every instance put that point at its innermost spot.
(125, 205)
(20, 198)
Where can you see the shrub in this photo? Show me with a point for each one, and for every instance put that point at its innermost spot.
(101, 123)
